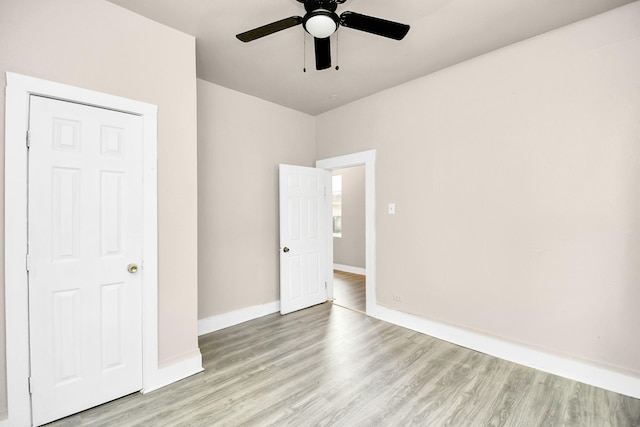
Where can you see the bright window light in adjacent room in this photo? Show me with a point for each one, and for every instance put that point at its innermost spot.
(336, 204)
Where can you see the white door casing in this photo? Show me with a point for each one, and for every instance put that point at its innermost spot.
(18, 91)
(368, 159)
(303, 237)
(84, 227)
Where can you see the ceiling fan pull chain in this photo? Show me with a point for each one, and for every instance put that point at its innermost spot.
(304, 52)
(337, 50)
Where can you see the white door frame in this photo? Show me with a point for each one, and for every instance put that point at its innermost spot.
(18, 90)
(368, 159)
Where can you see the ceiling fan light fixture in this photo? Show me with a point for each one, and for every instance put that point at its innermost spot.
(321, 23)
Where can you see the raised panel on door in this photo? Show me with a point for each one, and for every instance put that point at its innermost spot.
(85, 221)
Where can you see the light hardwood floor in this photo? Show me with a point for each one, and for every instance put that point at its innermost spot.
(349, 290)
(329, 366)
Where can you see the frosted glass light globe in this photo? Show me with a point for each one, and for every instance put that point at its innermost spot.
(321, 25)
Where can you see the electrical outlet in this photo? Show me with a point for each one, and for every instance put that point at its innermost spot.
(397, 297)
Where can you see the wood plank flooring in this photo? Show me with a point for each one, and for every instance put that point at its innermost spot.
(349, 290)
(329, 366)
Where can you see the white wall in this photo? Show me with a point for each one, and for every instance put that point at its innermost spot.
(99, 46)
(516, 177)
(241, 141)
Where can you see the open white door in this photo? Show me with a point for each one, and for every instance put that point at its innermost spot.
(85, 245)
(303, 237)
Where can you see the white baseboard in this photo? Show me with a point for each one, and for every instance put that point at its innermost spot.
(4, 422)
(350, 269)
(175, 372)
(222, 321)
(566, 367)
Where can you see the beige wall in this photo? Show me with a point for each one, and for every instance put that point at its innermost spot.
(516, 177)
(99, 46)
(349, 249)
(242, 140)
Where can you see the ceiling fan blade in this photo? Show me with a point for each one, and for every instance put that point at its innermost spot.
(369, 24)
(323, 53)
(265, 30)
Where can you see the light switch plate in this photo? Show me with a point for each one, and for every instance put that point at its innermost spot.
(392, 208)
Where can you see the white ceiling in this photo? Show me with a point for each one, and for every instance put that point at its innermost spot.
(443, 33)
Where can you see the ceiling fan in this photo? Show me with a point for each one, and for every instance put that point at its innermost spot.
(321, 20)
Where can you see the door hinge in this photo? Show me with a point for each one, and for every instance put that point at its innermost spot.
(30, 386)
(28, 139)
(28, 262)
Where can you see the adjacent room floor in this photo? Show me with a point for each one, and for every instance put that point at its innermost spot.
(330, 366)
(349, 290)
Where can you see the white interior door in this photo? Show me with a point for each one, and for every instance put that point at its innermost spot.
(85, 242)
(303, 237)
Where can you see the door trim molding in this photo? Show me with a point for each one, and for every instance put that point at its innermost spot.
(18, 90)
(368, 159)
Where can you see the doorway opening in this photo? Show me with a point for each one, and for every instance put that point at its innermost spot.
(349, 237)
(366, 160)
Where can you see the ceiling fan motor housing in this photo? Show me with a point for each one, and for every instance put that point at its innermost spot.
(321, 19)
(330, 5)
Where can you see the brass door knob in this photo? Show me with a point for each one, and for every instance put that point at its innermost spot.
(285, 250)
(132, 268)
